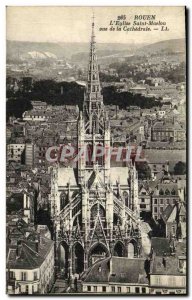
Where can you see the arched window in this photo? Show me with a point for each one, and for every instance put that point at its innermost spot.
(89, 153)
(126, 198)
(95, 209)
(63, 200)
(167, 192)
(173, 192)
(116, 220)
(161, 192)
(131, 250)
(119, 249)
(78, 264)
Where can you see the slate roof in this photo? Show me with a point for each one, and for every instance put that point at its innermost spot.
(167, 212)
(66, 175)
(123, 270)
(127, 270)
(160, 246)
(28, 258)
(170, 267)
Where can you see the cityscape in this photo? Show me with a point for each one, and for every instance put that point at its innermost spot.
(96, 196)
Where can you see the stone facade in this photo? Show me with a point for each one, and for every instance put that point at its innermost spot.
(94, 207)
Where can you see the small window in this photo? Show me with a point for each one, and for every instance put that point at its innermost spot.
(104, 288)
(95, 288)
(142, 206)
(27, 289)
(142, 200)
(128, 289)
(89, 288)
(35, 275)
(11, 274)
(143, 290)
(113, 289)
(23, 276)
(119, 289)
(155, 209)
(161, 201)
(155, 201)
(137, 290)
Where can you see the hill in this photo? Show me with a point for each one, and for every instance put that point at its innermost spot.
(76, 51)
(168, 46)
(17, 49)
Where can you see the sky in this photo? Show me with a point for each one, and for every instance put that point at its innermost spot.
(73, 24)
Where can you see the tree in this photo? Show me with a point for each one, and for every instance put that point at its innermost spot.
(144, 171)
(16, 107)
(180, 168)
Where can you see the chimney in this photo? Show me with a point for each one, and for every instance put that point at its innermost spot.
(18, 249)
(164, 262)
(37, 243)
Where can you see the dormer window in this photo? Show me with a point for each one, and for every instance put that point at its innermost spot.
(167, 192)
(161, 192)
(173, 192)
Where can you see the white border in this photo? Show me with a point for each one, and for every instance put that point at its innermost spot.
(3, 4)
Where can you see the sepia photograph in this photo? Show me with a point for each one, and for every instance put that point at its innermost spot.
(96, 162)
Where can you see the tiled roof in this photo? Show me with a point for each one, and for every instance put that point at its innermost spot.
(122, 270)
(167, 212)
(169, 267)
(29, 258)
(160, 246)
(128, 270)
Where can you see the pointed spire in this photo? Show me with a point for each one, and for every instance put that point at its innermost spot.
(93, 101)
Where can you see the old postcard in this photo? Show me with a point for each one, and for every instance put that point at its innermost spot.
(96, 150)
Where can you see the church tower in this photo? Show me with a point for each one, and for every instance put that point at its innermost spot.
(94, 207)
(93, 127)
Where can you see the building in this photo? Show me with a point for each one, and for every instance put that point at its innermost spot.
(117, 275)
(166, 131)
(30, 263)
(173, 221)
(168, 267)
(29, 154)
(15, 151)
(145, 196)
(39, 105)
(165, 194)
(142, 90)
(35, 115)
(94, 206)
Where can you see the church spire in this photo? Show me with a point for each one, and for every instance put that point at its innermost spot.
(93, 101)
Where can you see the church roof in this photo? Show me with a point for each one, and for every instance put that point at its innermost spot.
(95, 180)
(119, 174)
(66, 175)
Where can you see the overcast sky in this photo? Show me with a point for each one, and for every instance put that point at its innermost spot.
(73, 24)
